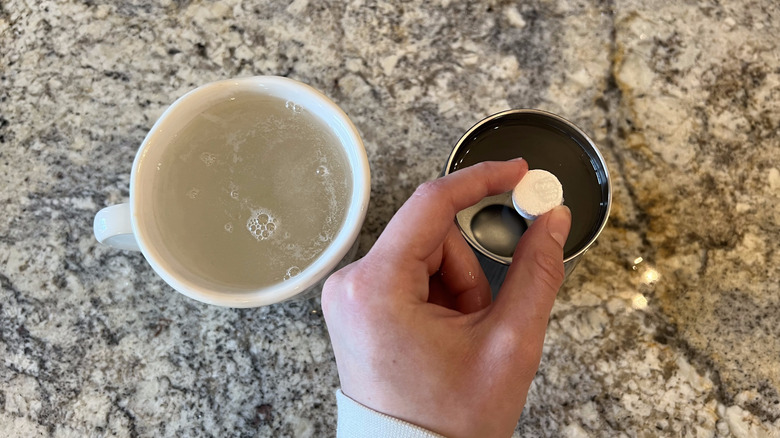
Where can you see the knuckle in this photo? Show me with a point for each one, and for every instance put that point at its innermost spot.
(430, 189)
(337, 287)
(330, 292)
(485, 165)
(505, 336)
(344, 287)
(549, 270)
(331, 285)
(488, 168)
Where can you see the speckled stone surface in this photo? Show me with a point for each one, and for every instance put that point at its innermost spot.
(670, 326)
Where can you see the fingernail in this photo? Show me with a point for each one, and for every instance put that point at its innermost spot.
(516, 159)
(558, 224)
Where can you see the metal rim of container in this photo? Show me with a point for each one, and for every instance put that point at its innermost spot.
(571, 126)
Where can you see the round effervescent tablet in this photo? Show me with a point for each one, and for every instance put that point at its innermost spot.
(537, 193)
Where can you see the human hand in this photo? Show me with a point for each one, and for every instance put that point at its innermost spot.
(412, 324)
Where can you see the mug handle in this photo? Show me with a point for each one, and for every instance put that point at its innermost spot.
(113, 227)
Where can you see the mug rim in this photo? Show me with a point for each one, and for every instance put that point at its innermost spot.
(338, 122)
(568, 124)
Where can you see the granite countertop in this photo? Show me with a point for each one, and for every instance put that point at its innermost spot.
(668, 327)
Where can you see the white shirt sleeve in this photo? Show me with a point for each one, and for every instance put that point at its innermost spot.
(358, 421)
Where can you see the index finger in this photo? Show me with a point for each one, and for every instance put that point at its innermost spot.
(421, 224)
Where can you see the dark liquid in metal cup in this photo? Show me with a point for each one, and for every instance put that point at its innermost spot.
(546, 142)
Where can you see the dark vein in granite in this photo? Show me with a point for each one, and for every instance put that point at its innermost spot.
(618, 123)
(618, 126)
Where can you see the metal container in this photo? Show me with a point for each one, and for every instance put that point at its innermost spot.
(546, 141)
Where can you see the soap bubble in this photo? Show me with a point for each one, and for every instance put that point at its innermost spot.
(261, 224)
(292, 106)
(233, 189)
(208, 158)
(292, 272)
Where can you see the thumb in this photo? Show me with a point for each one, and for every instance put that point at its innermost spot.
(532, 282)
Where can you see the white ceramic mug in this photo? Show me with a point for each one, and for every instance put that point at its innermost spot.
(123, 226)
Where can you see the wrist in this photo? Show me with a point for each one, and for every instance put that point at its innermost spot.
(356, 420)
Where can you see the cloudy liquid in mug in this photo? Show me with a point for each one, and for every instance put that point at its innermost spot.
(251, 192)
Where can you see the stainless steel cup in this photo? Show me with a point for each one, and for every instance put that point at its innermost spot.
(546, 141)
